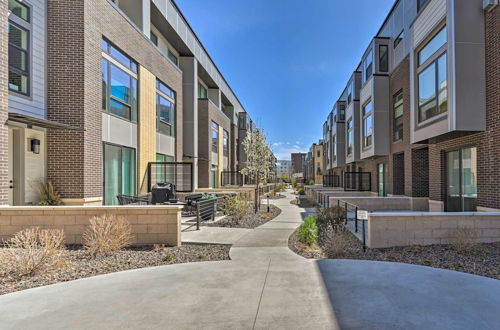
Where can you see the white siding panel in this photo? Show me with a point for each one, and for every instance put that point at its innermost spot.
(366, 91)
(35, 104)
(432, 15)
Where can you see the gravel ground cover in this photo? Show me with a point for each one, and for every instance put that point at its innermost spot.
(82, 265)
(483, 260)
(250, 221)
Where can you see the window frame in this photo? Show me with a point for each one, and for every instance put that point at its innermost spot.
(369, 55)
(385, 68)
(432, 60)
(350, 137)
(225, 143)
(201, 87)
(421, 4)
(367, 139)
(397, 122)
(170, 98)
(25, 5)
(20, 23)
(399, 39)
(214, 128)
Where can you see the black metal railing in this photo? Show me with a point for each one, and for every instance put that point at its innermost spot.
(358, 181)
(332, 180)
(180, 174)
(133, 200)
(235, 178)
(349, 212)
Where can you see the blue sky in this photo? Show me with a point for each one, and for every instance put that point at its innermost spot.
(287, 60)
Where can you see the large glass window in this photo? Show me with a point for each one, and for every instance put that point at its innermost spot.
(215, 136)
(202, 91)
(367, 124)
(398, 116)
(118, 55)
(18, 59)
(350, 136)
(350, 91)
(341, 112)
(226, 143)
(172, 57)
(165, 106)
(368, 66)
(119, 86)
(119, 173)
(383, 58)
(334, 149)
(461, 180)
(432, 77)
(20, 10)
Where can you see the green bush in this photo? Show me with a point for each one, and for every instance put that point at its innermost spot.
(294, 182)
(301, 191)
(310, 183)
(209, 196)
(308, 231)
(235, 207)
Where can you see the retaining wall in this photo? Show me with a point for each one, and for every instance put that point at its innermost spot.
(425, 228)
(150, 224)
(373, 203)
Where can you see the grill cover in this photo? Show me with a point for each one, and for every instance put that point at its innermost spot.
(162, 192)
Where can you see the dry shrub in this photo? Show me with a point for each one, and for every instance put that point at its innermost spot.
(331, 216)
(336, 247)
(463, 239)
(106, 234)
(32, 251)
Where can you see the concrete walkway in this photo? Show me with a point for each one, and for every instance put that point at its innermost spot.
(264, 286)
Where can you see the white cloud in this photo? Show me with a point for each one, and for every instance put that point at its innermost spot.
(284, 152)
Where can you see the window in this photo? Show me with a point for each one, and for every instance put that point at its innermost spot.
(164, 173)
(119, 84)
(341, 112)
(172, 57)
(398, 116)
(118, 55)
(334, 147)
(421, 4)
(368, 66)
(383, 58)
(367, 124)
(215, 137)
(165, 107)
(399, 38)
(350, 94)
(318, 153)
(432, 77)
(154, 39)
(350, 136)
(226, 143)
(202, 91)
(119, 172)
(18, 59)
(20, 10)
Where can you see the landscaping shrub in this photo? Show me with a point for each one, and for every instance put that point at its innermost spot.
(48, 194)
(33, 250)
(106, 234)
(336, 245)
(308, 231)
(301, 191)
(330, 217)
(235, 207)
(463, 239)
(310, 183)
(294, 182)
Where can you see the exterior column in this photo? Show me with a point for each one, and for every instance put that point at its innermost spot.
(146, 17)
(215, 96)
(189, 67)
(4, 105)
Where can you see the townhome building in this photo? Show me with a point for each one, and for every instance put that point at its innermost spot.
(93, 92)
(422, 108)
(315, 163)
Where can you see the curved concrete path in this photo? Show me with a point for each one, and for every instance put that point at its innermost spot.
(264, 286)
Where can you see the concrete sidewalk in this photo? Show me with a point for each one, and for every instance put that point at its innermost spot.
(264, 286)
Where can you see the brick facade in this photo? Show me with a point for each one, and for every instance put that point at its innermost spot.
(487, 143)
(4, 105)
(76, 29)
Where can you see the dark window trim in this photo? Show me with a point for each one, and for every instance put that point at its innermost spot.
(109, 96)
(28, 53)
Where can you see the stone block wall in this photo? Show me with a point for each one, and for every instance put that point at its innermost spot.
(150, 224)
(401, 229)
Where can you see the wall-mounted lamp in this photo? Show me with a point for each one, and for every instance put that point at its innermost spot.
(35, 146)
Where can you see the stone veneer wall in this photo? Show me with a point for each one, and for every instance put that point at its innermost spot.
(150, 224)
(4, 104)
(401, 229)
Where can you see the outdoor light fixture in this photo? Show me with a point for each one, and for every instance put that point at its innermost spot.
(35, 146)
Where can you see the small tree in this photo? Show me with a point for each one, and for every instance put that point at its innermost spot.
(283, 177)
(258, 160)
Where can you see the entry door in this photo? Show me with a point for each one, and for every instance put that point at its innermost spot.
(16, 194)
(11, 167)
(382, 179)
(461, 180)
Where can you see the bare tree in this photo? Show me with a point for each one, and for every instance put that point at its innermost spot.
(258, 160)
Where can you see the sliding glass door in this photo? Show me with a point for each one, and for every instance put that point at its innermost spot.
(461, 180)
(382, 180)
(119, 173)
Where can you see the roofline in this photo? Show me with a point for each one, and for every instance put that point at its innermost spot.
(387, 17)
(208, 54)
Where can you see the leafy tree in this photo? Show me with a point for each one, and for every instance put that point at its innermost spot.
(283, 177)
(258, 160)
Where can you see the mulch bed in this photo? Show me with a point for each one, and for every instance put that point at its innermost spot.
(483, 260)
(82, 265)
(250, 221)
